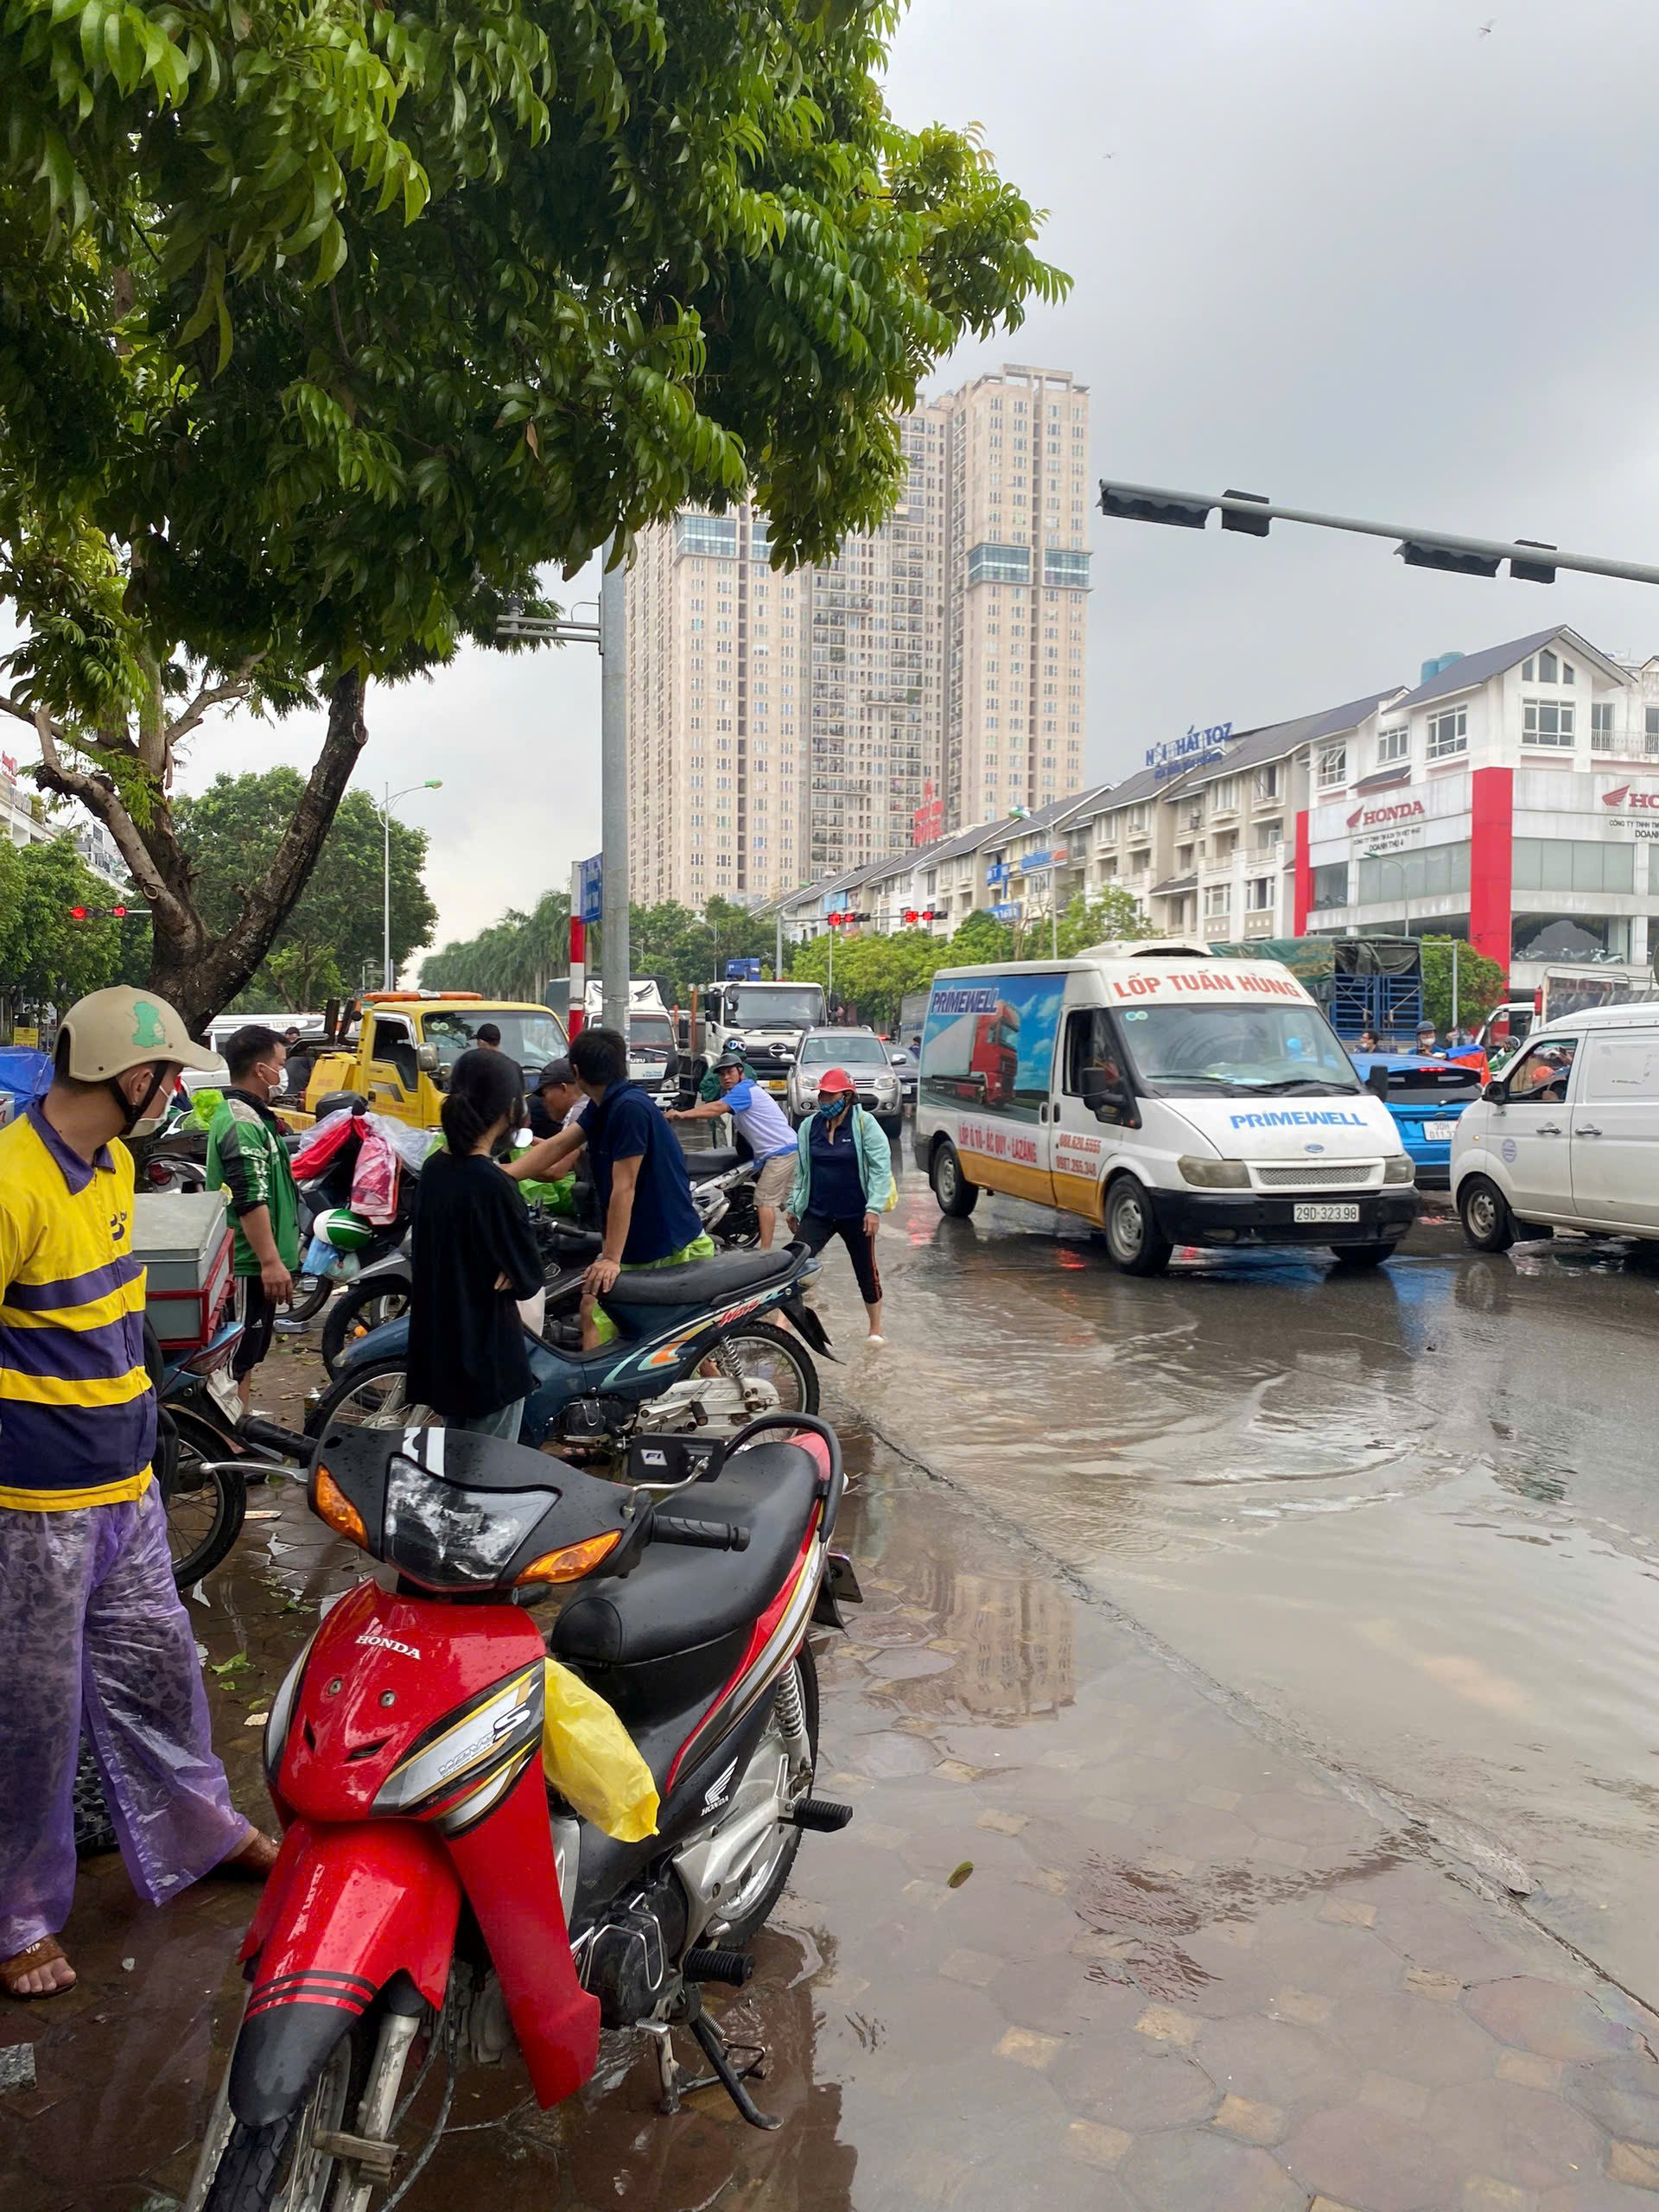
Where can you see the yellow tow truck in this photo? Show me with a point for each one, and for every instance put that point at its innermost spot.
(407, 1042)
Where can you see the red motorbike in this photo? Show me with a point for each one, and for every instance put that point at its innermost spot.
(431, 1891)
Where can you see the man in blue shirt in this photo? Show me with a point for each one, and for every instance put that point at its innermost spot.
(770, 1138)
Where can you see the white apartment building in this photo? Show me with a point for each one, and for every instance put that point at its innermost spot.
(25, 821)
(784, 729)
(1511, 798)
(1016, 585)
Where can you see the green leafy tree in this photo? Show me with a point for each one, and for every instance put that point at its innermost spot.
(1481, 982)
(514, 958)
(46, 956)
(332, 931)
(326, 324)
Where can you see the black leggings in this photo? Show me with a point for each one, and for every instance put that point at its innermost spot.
(816, 1231)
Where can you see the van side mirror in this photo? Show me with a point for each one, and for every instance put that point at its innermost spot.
(1377, 1083)
(1496, 1092)
(1106, 1097)
(426, 1058)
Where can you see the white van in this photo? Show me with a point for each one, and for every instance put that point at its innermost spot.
(1568, 1136)
(1170, 1097)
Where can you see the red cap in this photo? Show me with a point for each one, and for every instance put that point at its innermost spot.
(835, 1079)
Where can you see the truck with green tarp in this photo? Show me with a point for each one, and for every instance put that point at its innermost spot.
(1358, 982)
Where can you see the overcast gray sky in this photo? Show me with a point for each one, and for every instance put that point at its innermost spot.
(1349, 253)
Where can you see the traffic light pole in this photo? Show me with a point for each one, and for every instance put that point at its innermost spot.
(1532, 560)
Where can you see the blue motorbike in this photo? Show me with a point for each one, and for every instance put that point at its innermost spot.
(694, 1351)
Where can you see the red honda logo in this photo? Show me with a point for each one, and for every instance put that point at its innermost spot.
(1374, 818)
(1647, 801)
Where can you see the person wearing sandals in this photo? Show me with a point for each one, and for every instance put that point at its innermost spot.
(844, 1184)
(93, 1637)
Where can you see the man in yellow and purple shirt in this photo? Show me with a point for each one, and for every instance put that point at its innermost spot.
(92, 1634)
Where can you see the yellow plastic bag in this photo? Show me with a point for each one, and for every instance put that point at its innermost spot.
(590, 1759)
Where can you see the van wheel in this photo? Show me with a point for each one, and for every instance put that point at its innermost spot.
(1485, 1212)
(956, 1196)
(1133, 1239)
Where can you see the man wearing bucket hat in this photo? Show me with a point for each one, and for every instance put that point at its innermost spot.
(759, 1119)
(92, 1634)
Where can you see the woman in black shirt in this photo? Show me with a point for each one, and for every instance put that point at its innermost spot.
(474, 1257)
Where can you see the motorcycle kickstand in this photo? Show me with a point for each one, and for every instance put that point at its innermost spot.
(729, 2077)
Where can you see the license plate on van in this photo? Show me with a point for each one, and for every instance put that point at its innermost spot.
(1324, 1213)
(1439, 1132)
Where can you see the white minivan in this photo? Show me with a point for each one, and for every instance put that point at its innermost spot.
(1568, 1136)
(1165, 1095)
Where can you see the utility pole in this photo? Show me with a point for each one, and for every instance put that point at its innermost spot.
(778, 955)
(388, 981)
(613, 787)
(576, 1004)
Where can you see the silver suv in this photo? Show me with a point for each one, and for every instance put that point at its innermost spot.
(862, 1052)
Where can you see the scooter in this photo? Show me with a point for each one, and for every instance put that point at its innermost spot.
(431, 1891)
(675, 1322)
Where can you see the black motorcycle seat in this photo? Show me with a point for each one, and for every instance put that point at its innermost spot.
(675, 1598)
(717, 1160)
(700, 1282)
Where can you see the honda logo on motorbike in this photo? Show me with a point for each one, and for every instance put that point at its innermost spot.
(1647, 801)
(1379, 817)
(718, 1790)
(389, 1643)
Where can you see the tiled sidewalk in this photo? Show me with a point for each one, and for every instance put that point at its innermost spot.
(1090, 1942)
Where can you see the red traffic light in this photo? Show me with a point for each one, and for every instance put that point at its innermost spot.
(911, 917)
(78, 913)
(120, 913)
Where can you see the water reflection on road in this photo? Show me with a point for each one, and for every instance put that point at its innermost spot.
(1414, 1514)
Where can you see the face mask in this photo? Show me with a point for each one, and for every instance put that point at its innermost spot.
(833, 1108)
(139, 1121)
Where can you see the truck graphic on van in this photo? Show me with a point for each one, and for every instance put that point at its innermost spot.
(977, 1056)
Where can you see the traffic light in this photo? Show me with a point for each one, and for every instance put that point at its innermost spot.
(914, 914)
(120, 913)
(78, 913)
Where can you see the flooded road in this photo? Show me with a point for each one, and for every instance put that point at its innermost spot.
(1412, 1515)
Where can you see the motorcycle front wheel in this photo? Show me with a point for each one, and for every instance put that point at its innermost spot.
(373, 1395)
(205, 1498)
(311, 1295)
(280, 2168)
(360, 1307)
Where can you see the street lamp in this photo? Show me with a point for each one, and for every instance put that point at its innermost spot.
(432, 784)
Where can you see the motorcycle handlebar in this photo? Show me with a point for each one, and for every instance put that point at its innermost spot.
(705, 1535)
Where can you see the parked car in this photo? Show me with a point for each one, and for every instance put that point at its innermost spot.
(905, 1064)
(1426, 1097)
(1567, 1136)
(863, 1055)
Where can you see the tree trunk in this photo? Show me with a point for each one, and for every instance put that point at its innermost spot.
(200, 977)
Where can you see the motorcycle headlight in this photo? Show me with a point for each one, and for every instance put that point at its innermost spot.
(1400, 1169)
(1215, 1174)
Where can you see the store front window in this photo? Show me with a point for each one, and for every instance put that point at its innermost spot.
(1570, 936)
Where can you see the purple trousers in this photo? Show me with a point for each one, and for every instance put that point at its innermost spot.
(94, 1636)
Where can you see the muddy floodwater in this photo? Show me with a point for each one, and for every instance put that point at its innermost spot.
(1413, 1515)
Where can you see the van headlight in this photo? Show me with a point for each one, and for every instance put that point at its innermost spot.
(1215, 1174)
(1398, 1170)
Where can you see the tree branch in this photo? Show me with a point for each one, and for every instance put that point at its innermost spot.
(235, 688)
(97, 794)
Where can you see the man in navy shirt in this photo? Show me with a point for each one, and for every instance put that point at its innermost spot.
(644, 1194)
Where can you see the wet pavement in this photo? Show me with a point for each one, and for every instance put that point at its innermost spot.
(1410, 1515)
(1103, 1932)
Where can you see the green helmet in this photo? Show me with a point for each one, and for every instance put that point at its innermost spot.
(345, 1230)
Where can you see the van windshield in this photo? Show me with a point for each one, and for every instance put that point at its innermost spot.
(1235, 1051)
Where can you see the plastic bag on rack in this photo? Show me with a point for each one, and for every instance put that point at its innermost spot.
(321, 1147)
(374, 1178)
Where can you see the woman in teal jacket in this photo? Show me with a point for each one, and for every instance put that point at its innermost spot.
(844, 1184)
